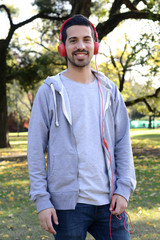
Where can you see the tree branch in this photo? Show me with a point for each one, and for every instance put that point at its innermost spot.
(144, 99)
(25, 104)
(117, 4)
(8, 13)
(148, 106)
(121, 57)
(30, 97)
(81, 7)
(106, 27)
(39, 15)
(115, 9)
(130, 5)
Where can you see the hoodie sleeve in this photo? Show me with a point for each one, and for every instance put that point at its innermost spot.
(125, 173)
(37, 143)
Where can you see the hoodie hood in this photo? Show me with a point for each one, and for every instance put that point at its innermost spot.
(56, 85)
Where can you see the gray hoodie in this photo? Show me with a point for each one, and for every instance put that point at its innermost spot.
(50, 128)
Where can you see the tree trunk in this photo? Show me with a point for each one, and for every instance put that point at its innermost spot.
(3, 96)
(150, 122)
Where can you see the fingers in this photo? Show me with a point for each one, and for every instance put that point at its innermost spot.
(55, 218)
(118, 205)
(45, 219)
(113, 204)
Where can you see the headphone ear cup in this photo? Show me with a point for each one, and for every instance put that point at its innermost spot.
(62, 50)
(96, 48)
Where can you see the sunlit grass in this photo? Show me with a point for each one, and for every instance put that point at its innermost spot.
(18, 145)
(146, 223)
(143, 131)
(145, 138)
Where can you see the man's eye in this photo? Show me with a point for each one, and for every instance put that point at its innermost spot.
(87, 40)
(72, 41)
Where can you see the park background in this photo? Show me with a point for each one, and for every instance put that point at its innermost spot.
(129, 34)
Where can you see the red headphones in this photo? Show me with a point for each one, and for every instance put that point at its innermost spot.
(61, 47)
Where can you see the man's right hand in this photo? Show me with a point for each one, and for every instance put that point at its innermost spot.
(45, 219)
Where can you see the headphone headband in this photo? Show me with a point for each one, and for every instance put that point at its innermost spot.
(60, 36)
(95, 32)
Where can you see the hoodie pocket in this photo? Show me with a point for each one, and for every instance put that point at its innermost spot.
(63, 173)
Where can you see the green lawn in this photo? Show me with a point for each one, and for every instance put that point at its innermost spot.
(18, 145)
(18, 216)
(144, 206)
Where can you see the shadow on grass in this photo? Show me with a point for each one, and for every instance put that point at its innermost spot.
(20, 158)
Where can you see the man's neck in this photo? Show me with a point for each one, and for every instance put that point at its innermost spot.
(81, 75)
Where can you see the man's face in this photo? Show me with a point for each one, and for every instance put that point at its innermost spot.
(79, 46)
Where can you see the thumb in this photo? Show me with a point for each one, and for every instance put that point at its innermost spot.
(113, 204)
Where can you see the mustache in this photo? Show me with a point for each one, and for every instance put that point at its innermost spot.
(81, 51)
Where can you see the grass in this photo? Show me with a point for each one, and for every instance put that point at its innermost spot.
(144, 206)
(18, 216)
(18, 145)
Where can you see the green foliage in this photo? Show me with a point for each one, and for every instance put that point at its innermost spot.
(59, 8)
(141, 90)
(19, 101)
(140, 57)
(36, 69)
(32, 68)
(153, 5)
(100, 9)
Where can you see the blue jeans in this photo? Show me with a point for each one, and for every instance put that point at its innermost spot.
(74, 224)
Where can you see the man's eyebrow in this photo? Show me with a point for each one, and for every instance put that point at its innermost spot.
(72, 38)
(88, 36)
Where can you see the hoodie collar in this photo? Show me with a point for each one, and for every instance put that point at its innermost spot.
(58, 85)
(56, 82)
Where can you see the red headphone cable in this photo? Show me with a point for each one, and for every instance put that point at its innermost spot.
(106, 146)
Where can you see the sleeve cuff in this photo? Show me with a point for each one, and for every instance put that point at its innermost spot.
(123, 191)
(43, 203)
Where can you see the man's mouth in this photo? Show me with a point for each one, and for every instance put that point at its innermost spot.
(80, 53)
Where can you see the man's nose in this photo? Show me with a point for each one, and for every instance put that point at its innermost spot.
(80, 45)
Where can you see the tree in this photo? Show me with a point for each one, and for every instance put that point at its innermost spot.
(58, 11)
(128, 60)
(4, 47)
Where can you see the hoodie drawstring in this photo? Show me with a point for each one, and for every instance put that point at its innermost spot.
(55, 104)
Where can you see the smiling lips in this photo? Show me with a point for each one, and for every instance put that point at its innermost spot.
(80, 55)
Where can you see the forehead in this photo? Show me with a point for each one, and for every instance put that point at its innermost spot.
(78, 31)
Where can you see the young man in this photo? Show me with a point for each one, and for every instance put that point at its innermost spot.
(80, 117)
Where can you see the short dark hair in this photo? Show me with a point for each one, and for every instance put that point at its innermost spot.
(77, 20)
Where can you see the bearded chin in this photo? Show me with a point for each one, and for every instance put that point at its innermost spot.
(79, 64)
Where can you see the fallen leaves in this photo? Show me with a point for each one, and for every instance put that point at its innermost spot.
(6, 236)
(43, 237)
(151, 224)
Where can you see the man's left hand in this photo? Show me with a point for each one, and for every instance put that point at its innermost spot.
(118, 204)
